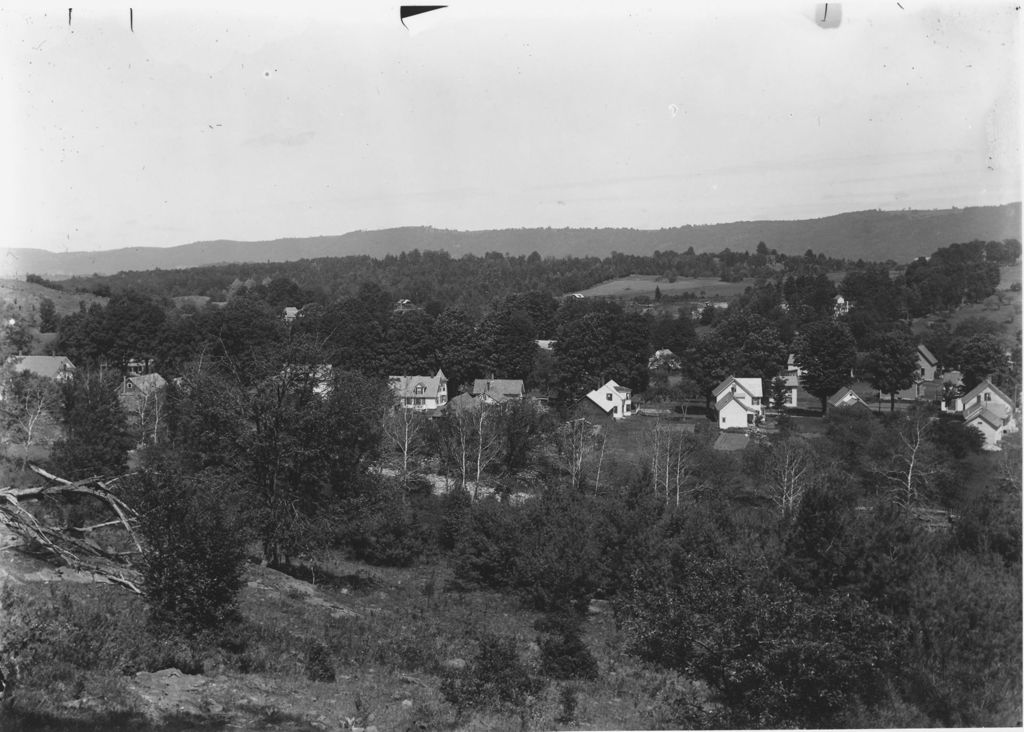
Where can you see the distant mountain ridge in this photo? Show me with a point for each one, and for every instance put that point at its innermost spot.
(870, 235)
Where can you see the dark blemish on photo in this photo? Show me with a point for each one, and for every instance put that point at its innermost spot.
(407, 11)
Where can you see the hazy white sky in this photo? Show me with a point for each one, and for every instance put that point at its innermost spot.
(300, 119)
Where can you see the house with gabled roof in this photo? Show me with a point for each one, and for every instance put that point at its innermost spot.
(612, 399)
(420, 392)
(496, 391)
(846, 398)
(990, 410)
(740, 402)
(927, 364)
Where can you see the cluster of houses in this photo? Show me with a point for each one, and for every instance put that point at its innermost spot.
(136, 392)
(740, 402)
(430, 394)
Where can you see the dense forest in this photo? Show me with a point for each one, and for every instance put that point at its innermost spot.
(435, 278)
(844, 569)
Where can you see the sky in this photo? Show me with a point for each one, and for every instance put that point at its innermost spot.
(256, 121)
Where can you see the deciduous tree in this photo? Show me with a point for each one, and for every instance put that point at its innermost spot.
(827, 353)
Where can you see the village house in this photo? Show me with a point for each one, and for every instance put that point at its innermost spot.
(420, 392)
(136, 391)
(846, 398)
(990, 410)
(610, 400)
(927, 384)
(795, 395)
(739, 402)
(664, 360)
(496, 391)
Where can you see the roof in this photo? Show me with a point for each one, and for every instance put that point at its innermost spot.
(462, 401)
(842, 398)
(986, 384)
(49, 366)
(928, 355)
(750, 385)
(502, 387)
(731, 441)
(147, 382)
(405, 386)
(730, 398)
(980, 411)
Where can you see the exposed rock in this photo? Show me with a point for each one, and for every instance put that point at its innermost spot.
(455, 664)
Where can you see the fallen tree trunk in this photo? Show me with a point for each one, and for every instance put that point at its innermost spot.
(80, 553)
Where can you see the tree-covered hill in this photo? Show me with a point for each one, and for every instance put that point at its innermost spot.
(899, 236)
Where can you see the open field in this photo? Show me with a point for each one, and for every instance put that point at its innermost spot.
(644, 285)
(1003, 308)
(22, 298)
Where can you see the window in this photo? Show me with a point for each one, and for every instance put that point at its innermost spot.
(420, 389)
(615, 410)
(607, 397)
(988, 397)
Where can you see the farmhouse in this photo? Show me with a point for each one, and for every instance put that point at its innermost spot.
(611, 399)
(739, 402)
(420, 392)
(846, 398)
(795, 394)
(989, 410)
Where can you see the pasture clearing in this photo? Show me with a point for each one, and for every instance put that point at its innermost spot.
(644, 286)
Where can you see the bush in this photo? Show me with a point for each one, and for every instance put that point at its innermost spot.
(318, 663)
(193, 550)
(386, 530)
(564, 655)
(496, 679)
(487, 548)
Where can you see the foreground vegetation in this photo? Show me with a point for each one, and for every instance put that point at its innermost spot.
(514, 565)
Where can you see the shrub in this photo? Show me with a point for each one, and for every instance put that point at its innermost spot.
(496, 679)
(318, 663)
(385, 530)
(193, 550)
(486, 552)
(564, 655)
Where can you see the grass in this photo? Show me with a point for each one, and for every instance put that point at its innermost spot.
(644, 285)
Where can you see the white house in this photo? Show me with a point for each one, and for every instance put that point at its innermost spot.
(927, 364)
(420, 392)
(990, 410)
(613, 399)
(846, 397)
(740, 402)
(792, 376)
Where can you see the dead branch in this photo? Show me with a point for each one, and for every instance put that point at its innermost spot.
(77, 552)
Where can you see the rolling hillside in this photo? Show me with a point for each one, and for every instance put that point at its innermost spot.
(871, 235)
